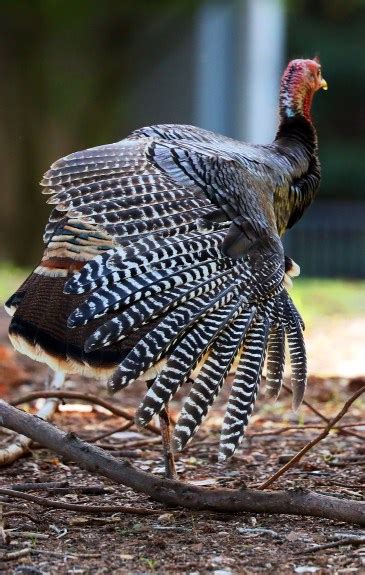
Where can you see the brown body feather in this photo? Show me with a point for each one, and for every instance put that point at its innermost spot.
(39, 329)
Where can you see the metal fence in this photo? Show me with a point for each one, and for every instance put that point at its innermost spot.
(329, 241)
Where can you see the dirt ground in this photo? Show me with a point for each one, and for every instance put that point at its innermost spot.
(176, 541)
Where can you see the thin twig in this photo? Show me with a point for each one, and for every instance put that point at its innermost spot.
(339, 428)
(89, 397)
(16, 554)
(331, 423)
(110, 432)
(81, 489)
(77, 507)
(32, 534)
(38, 486)
(63, 487)
(321, 416)
(339, 543)
(130, 444)
(64, 554)
(309, 405)
(347, 485)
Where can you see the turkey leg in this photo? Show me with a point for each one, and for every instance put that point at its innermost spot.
(165, 428)
(164, 417)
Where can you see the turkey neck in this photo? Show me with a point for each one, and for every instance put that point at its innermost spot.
(297, 131)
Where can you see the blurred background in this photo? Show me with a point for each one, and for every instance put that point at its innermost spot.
(80, 73)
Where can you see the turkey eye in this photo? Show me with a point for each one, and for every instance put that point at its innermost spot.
(319, 73)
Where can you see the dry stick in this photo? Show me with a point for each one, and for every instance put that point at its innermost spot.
(345, 541)
(321, 416)
(89, 397)
(21, 444)
(16, 554)
(111, 432)
(331, 423)
(78, 507)
(352, 433)
(131, 444)
(176, 493)
(60, 487)
(38, 486)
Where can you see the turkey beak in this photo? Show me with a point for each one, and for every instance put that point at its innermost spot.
(323, 84)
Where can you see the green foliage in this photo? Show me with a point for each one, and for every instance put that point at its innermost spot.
(11, 277)
(150, 563)
(321, 299)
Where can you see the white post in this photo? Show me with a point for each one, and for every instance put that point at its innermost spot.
(264, 49)
(213, 67)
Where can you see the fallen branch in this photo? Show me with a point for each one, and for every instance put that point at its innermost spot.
(331, 423)
(176, 493)
(21, 444)
(78, 507)
(332, 544)
(89, 397)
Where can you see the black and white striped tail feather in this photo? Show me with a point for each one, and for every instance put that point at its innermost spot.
(143, 253)
(289, 320)
(244, 389)
(156, 250)
(143, 286)
(183, 359)
(298, 361)
(275, 362)
(145, 311)
(211, 378)
(113, 278)
(160, 339)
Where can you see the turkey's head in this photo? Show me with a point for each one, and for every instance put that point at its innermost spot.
(301, 79)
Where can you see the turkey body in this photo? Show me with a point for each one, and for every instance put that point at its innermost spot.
(163, 251)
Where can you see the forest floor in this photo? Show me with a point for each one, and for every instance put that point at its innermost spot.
(176, 541)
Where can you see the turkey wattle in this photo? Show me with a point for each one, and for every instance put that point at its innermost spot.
(163, 250)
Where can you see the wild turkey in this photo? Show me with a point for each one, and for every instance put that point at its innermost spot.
(163, 251)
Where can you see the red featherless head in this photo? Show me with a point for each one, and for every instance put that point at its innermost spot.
(301, 79)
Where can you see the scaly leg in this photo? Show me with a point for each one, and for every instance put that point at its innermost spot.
(164, 418)
(170, 470)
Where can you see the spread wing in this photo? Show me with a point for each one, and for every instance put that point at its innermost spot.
(142, 214)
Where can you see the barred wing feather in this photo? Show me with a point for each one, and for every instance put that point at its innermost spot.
(132, 212)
